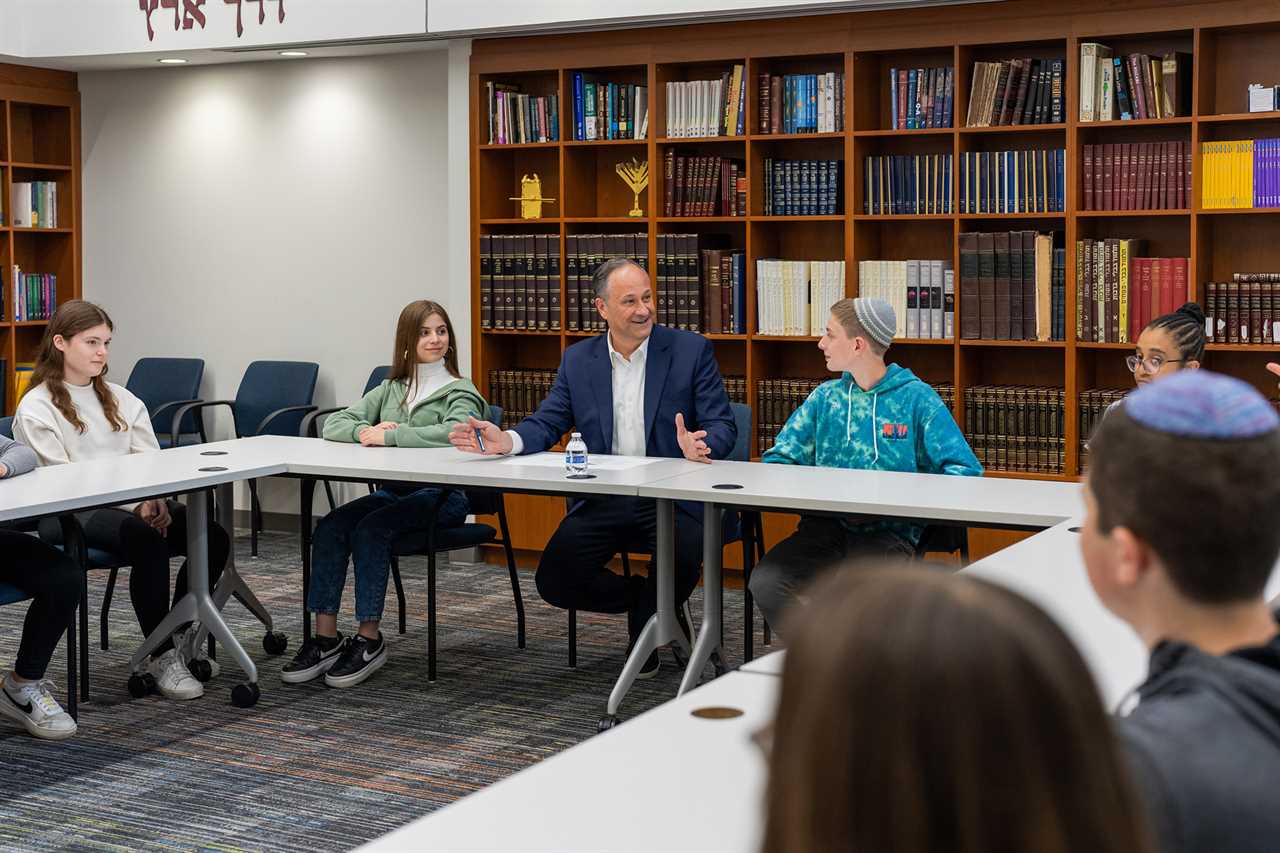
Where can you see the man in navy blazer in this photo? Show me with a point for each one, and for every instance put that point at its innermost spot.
(639, 390)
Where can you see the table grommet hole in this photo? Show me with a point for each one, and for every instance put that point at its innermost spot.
(716, 712)
(213, 453)
(212, 468)
(727, 486)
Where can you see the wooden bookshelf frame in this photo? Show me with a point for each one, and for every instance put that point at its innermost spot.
(1230, 41)
(39, 140)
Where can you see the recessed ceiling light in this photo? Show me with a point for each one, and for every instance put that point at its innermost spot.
(173, 61)
(293, 53)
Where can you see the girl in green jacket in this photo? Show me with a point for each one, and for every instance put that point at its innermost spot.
(418, 403)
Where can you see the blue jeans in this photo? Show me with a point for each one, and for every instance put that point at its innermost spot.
(366, 531)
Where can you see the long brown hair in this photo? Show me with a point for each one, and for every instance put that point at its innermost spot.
(404, 358)
(922, 712)
(72, 318)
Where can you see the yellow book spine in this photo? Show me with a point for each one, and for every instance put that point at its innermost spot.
(1124, 291)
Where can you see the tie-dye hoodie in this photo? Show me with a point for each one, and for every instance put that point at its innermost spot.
(900, 424)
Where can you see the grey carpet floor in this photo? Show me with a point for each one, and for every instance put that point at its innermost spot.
(310, 768)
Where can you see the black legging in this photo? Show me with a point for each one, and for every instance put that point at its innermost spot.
(53, 581)
(147, 553)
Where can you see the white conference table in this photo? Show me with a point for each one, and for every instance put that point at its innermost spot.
(770, 664)
(1048, 569)
(193, 470)
(666, 780)
(928, 498)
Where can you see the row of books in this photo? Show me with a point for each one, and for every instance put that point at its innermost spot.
(776, 399)
(1118, 292)
(922, 293)
(795, 297)
(1137, 176)
(583, 255)
(723, 286)
(34, 204)
(801, 103)
(1016, 91)
(1093, 403)
(921, 97)
(1012, 286)
(520, 281)
(35, 295)
(703, 186)
(1016, 428)
(22, 373)
(801, 187)
(682, 281)
(1245, 310)
(1240, 173)
(901, 184)
(518, 118)
(1013, 181)
(700, 108)
(519, 392)
(607, 110)
(1133, 86)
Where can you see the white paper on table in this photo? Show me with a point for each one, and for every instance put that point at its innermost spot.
(598, 463)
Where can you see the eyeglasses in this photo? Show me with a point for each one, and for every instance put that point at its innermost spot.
(1151, 363)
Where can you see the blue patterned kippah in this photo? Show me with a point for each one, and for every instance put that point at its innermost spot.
(1201, 404)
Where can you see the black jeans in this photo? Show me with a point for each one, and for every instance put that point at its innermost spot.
(820, 543)
(147, 553)
(53, 581)
(572, 572)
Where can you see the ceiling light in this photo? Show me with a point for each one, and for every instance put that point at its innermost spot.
(293, 53)
(173, 61)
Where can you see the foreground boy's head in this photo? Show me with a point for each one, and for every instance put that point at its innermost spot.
(1183, 500)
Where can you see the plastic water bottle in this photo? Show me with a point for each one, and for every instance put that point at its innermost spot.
(575, 456)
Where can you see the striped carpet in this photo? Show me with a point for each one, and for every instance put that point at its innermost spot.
(310, 768)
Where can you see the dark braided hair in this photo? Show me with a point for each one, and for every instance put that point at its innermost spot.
(1186, 327)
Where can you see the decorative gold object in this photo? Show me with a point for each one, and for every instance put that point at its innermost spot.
(636, 176)
(530, 198)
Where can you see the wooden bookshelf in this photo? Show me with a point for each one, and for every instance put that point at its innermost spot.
(1232, 42)
(39, 141)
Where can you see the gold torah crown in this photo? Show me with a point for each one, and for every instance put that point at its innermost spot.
(530, 198)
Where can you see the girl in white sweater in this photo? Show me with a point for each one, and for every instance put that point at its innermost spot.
(71, 413)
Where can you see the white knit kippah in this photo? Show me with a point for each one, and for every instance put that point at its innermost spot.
(877, 317)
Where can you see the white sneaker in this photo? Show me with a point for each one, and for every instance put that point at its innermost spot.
(32, 705)
(180, 640)
(173, 679)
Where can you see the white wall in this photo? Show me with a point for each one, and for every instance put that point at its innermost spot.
(273, 211)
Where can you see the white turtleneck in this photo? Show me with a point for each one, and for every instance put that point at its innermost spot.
(432, 376)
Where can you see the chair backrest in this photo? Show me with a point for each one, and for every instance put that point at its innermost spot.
(156, 381)
(6, 427)
(270, 385)
(485, 501)
(742, 419)
(376, 377)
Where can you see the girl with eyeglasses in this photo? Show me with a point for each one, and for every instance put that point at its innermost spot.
(1169, 343)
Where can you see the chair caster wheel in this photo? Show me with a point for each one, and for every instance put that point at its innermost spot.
(141, 683)
(245, 695)
(274, 642)
(201, 670)
(607, 722)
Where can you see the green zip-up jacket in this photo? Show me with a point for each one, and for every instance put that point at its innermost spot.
(427, 425)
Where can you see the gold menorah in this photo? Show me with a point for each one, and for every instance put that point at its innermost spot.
(636, 176)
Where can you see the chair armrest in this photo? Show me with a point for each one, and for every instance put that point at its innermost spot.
(200, 407)
(307, 429)
(277, 413)
(174, 427)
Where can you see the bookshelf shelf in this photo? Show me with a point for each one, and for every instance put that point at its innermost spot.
(516, 146)
(1230, 118)
(42, 230)
(31, 323)
(924, 342)
(719, 337)
(1020, 475)
(1237, 211)
(1230, 42)
(43, 167)
(533, 333)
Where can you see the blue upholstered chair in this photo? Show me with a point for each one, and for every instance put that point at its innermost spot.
(164, 385)
(272, 399)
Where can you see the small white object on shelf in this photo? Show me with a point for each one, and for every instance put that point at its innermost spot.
(1263, 99)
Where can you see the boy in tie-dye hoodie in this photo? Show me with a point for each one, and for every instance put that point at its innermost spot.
(875, 416)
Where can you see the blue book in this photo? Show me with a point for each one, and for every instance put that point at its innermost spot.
(613, 110)
(1061, 155)
(579, 126)
(912, 113)
(893, 98)
(812, 126)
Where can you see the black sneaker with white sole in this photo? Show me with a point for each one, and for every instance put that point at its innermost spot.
(314, 659)
(360, 659)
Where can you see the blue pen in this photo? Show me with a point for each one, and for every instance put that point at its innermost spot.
(479, 437)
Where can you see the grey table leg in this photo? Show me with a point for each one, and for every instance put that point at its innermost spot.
(198, 604)
(227, 519)
(712, 593)
(662, 627)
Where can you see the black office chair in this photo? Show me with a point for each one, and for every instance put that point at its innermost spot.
(432, 540)
(164, 385)
(272, 399)
(946, 539)
(752, 534)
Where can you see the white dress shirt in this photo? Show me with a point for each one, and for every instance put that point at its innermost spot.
(628, 402)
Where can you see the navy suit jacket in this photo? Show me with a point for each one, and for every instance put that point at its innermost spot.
(680, 375)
